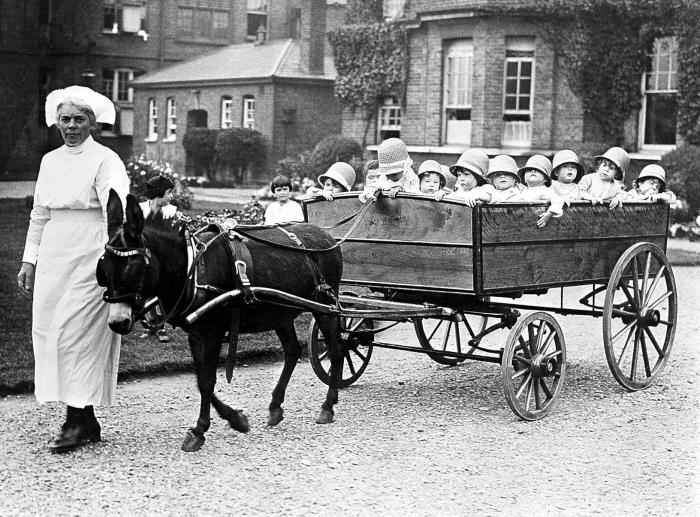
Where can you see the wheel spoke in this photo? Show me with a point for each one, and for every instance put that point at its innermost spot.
(547, 342)
(635, 353)
(360, 321)
(548, 393)
(630, 297)
(624, 348)
(645, 278)
(528, 399)
(654, 283)
(540, 335)
(536, 390)
(522, 359)
(523, 386)
(623, 329)
(348, 360)
(635, 280)
(660, 299)
(435, 329)
(459, 342)
(645, 356)
(358, 353)
(468, 326)
(531, 338)
(553, 355)
(519, 373)
(524, 347)
(655, 343)
(446, 336)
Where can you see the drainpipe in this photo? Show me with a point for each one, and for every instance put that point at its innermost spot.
(555, 98)
(161, 31)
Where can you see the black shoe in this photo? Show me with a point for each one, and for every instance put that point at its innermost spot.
(81, 427)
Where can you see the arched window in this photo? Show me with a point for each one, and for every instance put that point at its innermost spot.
(152, 120)
(249, 112)
(226, 112)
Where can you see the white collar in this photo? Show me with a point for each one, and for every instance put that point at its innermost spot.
(77, 149)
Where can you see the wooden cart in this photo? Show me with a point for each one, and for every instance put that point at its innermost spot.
(444, 266)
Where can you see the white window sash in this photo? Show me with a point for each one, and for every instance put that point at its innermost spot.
(519, 77)
(249, 113)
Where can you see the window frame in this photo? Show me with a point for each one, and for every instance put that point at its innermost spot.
(672, 72)
(117, 15)
(226, 118)
(248, 118)
(389, 110)
(170, 119)
(265, 11)
(531, 95)
(202, 20)
(113, 91)
(152, 120)
(454, 50)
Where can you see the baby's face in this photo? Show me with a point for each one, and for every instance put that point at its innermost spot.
(282, 193)
(332, 186)
(566, 173)
(502, 180)
(649, 186)
(372, 178)
(393, 178)
(533, 178)
(167, 198)
(430, 182)
(606, 169)
(465, 180)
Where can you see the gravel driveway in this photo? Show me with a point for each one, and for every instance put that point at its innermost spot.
(411, 438)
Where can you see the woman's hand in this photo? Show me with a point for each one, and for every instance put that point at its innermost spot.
(25, 278)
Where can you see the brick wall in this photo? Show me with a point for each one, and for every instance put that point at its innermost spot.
(557, 114)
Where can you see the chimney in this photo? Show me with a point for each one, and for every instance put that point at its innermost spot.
(313, 35)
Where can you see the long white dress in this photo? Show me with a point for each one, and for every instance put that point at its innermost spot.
(76, 354)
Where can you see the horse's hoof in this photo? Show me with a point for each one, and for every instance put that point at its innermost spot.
(193, 442)
(239, 422)
(325, 417)
(276, 416)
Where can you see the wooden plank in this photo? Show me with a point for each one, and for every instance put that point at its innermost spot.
(405, 264)
(517, 266)
(517, 222)
(409, 217)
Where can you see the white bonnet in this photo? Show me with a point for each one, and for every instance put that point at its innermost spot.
(101, 105)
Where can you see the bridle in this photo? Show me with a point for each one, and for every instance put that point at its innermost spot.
(131, 253)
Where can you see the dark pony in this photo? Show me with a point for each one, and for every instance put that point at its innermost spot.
(146, 260)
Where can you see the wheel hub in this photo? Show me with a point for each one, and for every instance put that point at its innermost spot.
(543, 366)
(649, 318)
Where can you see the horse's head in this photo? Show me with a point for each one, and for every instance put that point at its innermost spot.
(125, 269)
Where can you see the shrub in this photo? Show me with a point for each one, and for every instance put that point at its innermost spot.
(200, 146)
(140, 169)
(240, 149)
(681, 166)
(334, 148)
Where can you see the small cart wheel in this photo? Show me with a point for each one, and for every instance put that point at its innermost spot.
(639, 316)
(533, 365)
(356, 335)
(448, 335)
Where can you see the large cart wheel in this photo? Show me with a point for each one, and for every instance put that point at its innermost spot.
(357, 336)
(639, 316)
(533, 365)
(448, 335)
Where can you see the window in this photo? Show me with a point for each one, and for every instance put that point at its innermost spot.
(171, 119)
(115, 84)
(203, 19)
(226, 112)
(249, 112)
(121, 16)
(659, 108)
(389, 119)
(394, 9)
(152, 120)
(458, 71)
(257, 17)
(518, 91)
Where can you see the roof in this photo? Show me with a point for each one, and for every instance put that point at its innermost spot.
(277, 58)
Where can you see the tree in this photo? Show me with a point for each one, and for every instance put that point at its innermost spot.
(238, 150)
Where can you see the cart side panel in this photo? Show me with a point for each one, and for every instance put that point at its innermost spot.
(583, 245)
(412, 241)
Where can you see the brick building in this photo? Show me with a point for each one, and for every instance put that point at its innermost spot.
(478, 80)
(104, 44)
(282, 88)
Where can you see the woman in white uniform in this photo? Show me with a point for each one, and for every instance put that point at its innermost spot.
(76, 354)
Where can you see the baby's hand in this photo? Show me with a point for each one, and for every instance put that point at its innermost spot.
(596, 200)
(370, 193)
(542, 221)
(327, 195)
(393, 191)
(439, 195)
(471, 201)
(615, 202)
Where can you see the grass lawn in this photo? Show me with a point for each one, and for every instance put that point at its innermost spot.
(138, 356)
